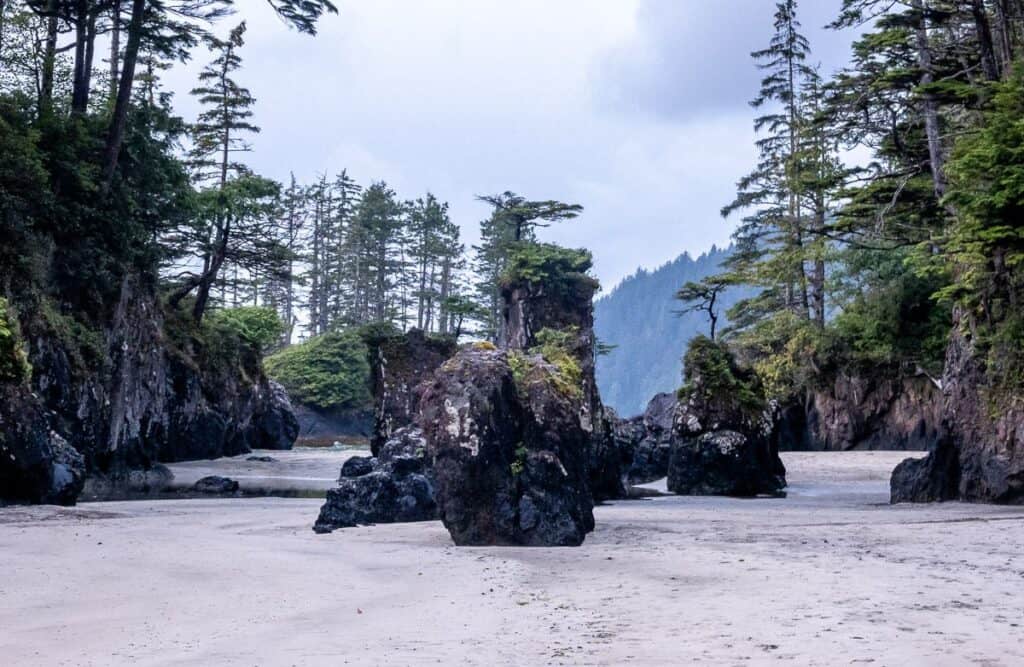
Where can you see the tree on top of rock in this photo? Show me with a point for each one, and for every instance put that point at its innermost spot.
(523, 215)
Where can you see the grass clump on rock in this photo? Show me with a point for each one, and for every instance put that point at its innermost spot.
(554, 348)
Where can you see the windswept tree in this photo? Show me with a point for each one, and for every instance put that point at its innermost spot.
(524, 216)
(217, 137)
(704, 296)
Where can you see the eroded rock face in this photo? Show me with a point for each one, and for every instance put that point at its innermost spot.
(887, 412)
(648, 440)
(274, 425)
(398, 365)
(396, 486)
(331, 425)
(529, 308)
(37, 465)
(509, 453)
(980, 457)
(144, 402)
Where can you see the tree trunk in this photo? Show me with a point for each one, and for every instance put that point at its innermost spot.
(444, 292)
(931, 105)
(119, 118)
(78, 74)
(989, 63)
(115, 49)
(818, 274)
(1004, 34)
(90, 54)
(210, 275)
(3, 12)
(49, 59)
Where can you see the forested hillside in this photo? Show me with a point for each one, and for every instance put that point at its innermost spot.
(641, 319)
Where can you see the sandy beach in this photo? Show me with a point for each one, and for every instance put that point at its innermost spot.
(831, 575)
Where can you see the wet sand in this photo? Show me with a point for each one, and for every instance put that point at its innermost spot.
(831, 575)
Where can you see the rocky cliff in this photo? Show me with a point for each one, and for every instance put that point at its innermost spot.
(980, 456)
(886, 411)
(128, 396)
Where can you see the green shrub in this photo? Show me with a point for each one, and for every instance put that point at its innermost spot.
(327, 372)
(14, 365)
(258, 326)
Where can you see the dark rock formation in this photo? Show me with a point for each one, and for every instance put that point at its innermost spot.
(509, 452)
(274, 425)
(398, 364)
(980, 457)
(566, 304)
(645, 441)
(358, 466)
(36, 464)
(723, 463)
(722, 431)
(261, 459)
(886, 411)
(216, 485)
(396, 486)
(129, 396)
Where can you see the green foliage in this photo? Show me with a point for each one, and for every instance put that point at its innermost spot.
(560, 270)
(82, 342)
(889, 318)
(326, 372)
(14, 365)
(712, 375)
(554, 347)
(256, 325)
(986, 242)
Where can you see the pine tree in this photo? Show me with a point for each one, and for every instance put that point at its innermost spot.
(220, 232)
(771, 238)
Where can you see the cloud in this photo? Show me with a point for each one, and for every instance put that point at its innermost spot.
(634, 108)
(691, 58)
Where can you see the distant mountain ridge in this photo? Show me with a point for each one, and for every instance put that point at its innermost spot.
(639, 317)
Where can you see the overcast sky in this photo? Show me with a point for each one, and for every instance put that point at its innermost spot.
(636, 109)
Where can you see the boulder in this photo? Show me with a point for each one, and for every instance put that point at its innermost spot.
(357, 466)
(721, 463)
(37, 465)
(395, 487)
(261, 459)
(648, 440)
(274, 425)
(216, 485)
(509, 451)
